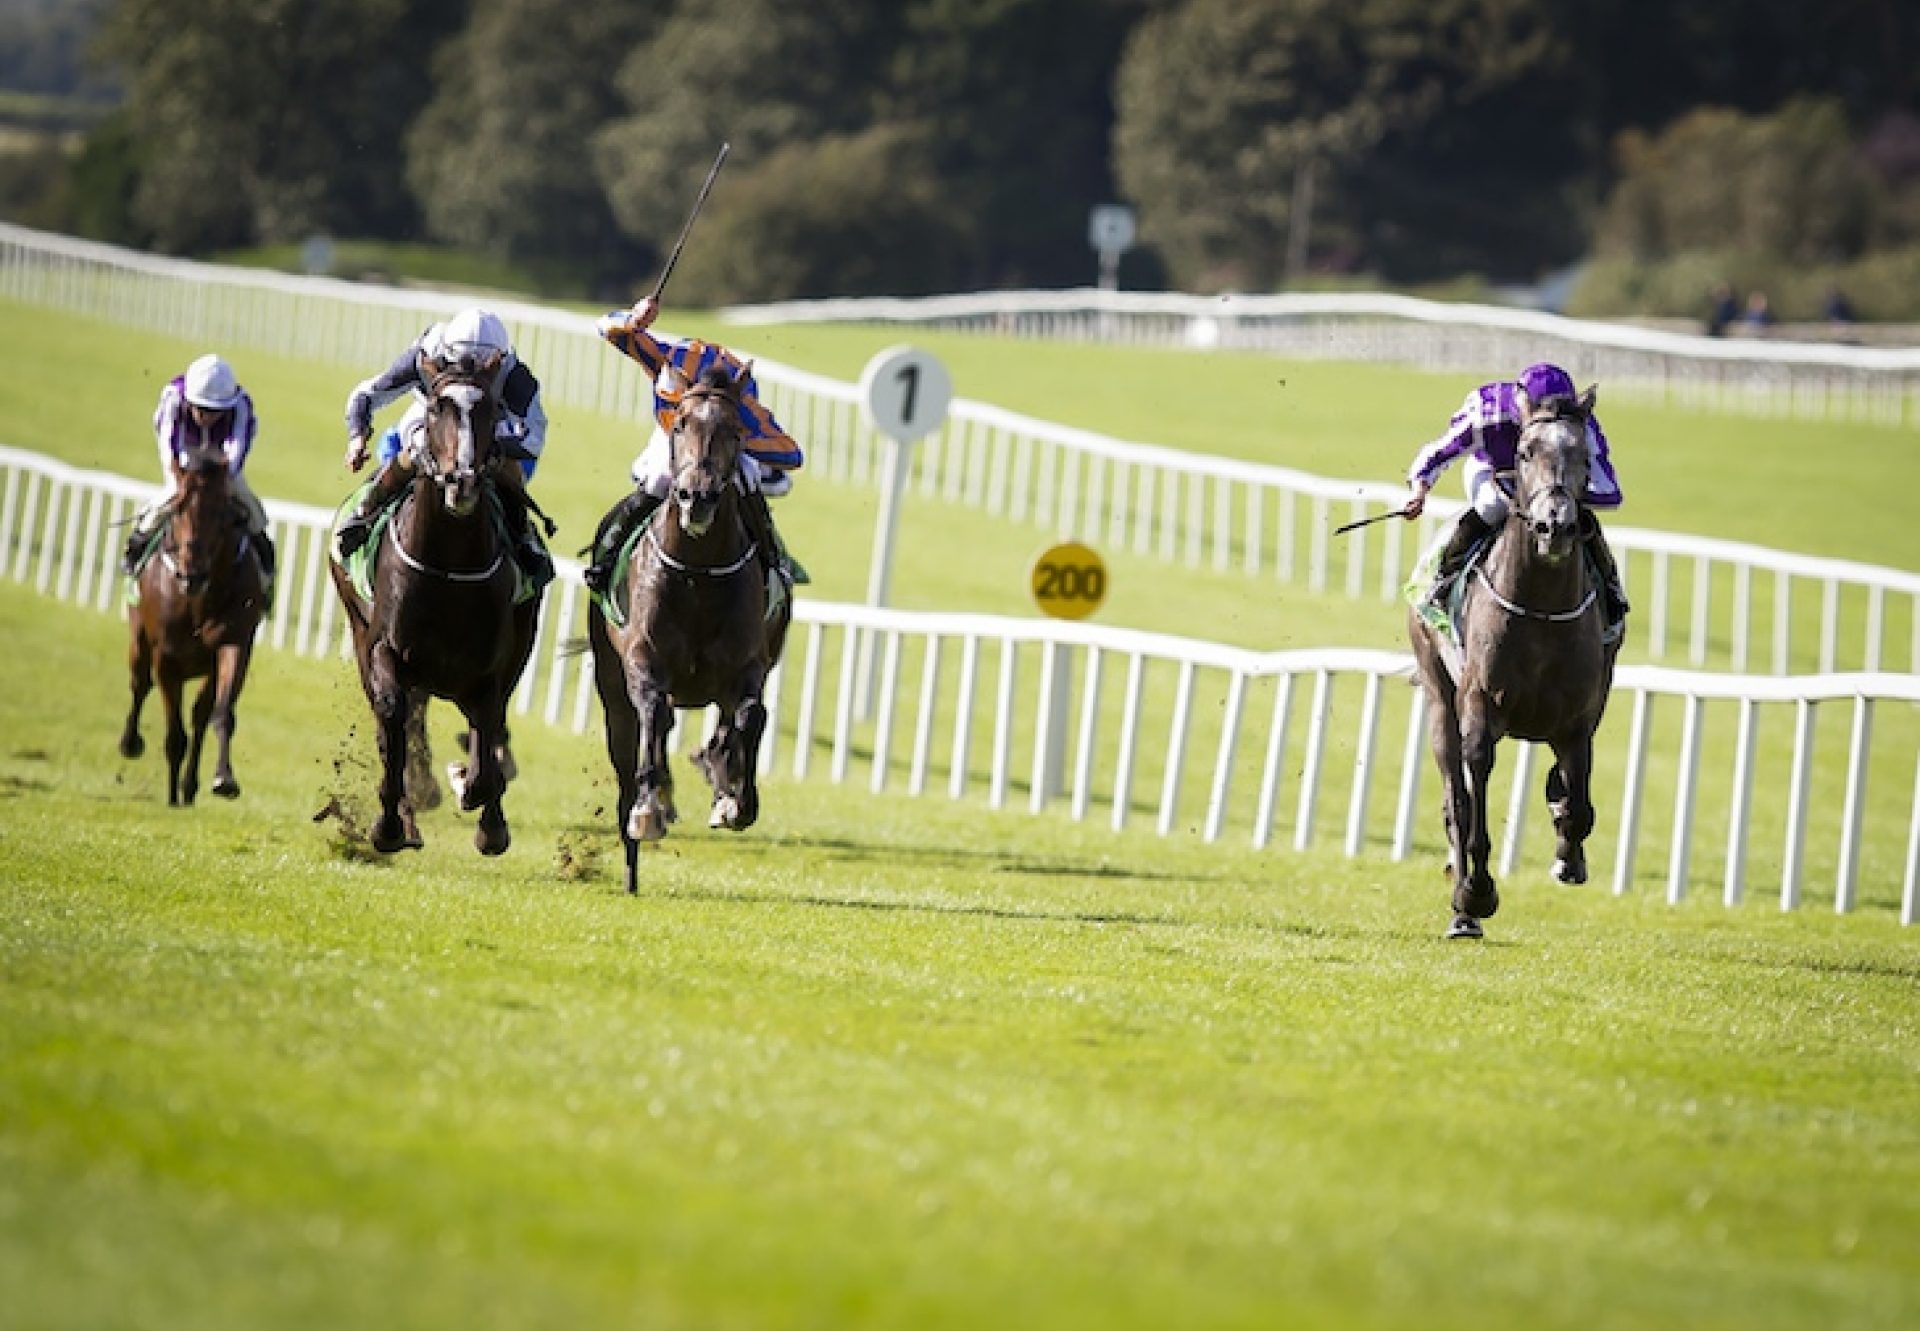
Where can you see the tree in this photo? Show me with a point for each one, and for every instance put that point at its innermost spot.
(501, 160)
(269, 119)
(1230, 116)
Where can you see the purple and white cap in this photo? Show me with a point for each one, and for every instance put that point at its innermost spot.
(1545, 380)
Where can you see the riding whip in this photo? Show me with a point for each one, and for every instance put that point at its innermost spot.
(1368, 522)
(705, 189)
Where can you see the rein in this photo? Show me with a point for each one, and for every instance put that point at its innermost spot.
(715, 571)
(421, 566)
(1516, 512)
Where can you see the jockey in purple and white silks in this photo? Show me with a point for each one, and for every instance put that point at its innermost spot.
(203, 410)
(1486, 431)
(478, 336)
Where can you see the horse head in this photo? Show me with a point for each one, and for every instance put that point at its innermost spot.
(1551, 465)
(707, 438)
(201, 531)
(457, 441)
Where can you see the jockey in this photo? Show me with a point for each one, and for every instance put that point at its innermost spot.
(769, 455)
(205, 409)
(521, 432)
(1486, 430)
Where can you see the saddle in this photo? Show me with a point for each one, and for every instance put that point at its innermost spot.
(359, 566)
(1442, 615)
(780, 578)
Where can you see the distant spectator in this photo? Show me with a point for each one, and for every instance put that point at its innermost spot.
(1759, 313)
(1725, 310)
(1839, 308)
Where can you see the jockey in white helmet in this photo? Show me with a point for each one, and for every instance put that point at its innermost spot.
(478, 336)
(203, 410)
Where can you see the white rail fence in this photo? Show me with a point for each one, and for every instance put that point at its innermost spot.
(1119, 724)
(1734, 606)
(1774, 378)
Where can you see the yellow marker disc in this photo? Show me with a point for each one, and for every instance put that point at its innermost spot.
(1069, 581)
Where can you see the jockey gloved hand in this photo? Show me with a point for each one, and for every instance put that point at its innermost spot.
(644, 312)
(356, 452)
(1417, 505)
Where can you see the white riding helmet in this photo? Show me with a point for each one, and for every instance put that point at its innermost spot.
(210, 383)
(477, 333)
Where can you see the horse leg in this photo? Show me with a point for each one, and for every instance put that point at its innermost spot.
(394, 829)
(423, 788)
(230, 674)
(488, 784)
(1570, 797)
(196, 739)
(622, 725)
(1443, 738)
(140, 671)
(653, 783)
(738, 804)
(170, 686)
(1474, 893)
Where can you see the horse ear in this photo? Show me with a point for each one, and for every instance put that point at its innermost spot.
(1588, 398)
(1522, 404)
(745, 377)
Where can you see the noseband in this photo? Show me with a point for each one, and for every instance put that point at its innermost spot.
(681, 566)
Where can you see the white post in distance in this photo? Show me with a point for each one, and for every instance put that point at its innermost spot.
(906, 392)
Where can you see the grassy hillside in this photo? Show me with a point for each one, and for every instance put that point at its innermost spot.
(886, 1063)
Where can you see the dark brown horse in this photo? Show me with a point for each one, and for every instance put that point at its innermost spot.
(443, 622)
(200, 600)
(1535, 660)
(698, 631)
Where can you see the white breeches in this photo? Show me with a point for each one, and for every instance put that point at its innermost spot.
(1485, 493)
(653, 470)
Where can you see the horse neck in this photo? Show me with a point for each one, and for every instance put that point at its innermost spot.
(724, 541)
(1519, 573)
(435, 536)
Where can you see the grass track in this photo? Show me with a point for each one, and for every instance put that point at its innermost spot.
(886, 1062)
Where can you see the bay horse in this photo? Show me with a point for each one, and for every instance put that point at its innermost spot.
(698, 630)
(200, 601)
(1535, 660)
(443, 621)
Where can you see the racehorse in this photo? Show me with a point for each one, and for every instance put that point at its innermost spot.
(698, 629)
(200, 600)
(1535, 660)
(443, 621)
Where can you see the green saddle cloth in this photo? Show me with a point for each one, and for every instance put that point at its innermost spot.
(779, 588)
(358, 566)
(130, 596)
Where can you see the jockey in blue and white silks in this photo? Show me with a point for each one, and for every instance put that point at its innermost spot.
(203, 410)
(478, 337)
(767, 455)
(1486, 431)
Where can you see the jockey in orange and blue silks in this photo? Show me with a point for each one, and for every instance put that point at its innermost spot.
(767, 455)
(1486, 431)
(203, 410)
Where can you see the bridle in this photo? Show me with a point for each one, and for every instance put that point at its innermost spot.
(680, 424)
(1518, 507)
(466, 469)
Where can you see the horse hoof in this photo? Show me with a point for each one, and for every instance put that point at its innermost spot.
(646, 824)
(226, 788)
(726, 813)
(1465, 926)
(1480, 903)
(1565, 872)
(132, 746)
(389, 835)
(492, 843)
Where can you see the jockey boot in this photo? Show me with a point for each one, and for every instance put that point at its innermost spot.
(136, 547)
(510, 484)
(620, 523)
(1466, 534)
(392, 479)
(773, 550)
(1602, 556)
(263, 548)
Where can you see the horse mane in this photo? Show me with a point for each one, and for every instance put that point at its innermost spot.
(1559, 407)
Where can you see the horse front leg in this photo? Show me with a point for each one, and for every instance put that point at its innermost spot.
(487, 784)
(1474, 893)
(140, 679)
(170, 689)
(652, 809)
(394, 829)
(1456, 805)
(1570, 798)
(736, 805)
(196, 740)
(230, 675)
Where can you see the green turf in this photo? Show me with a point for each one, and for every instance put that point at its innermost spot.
(883, 1062)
